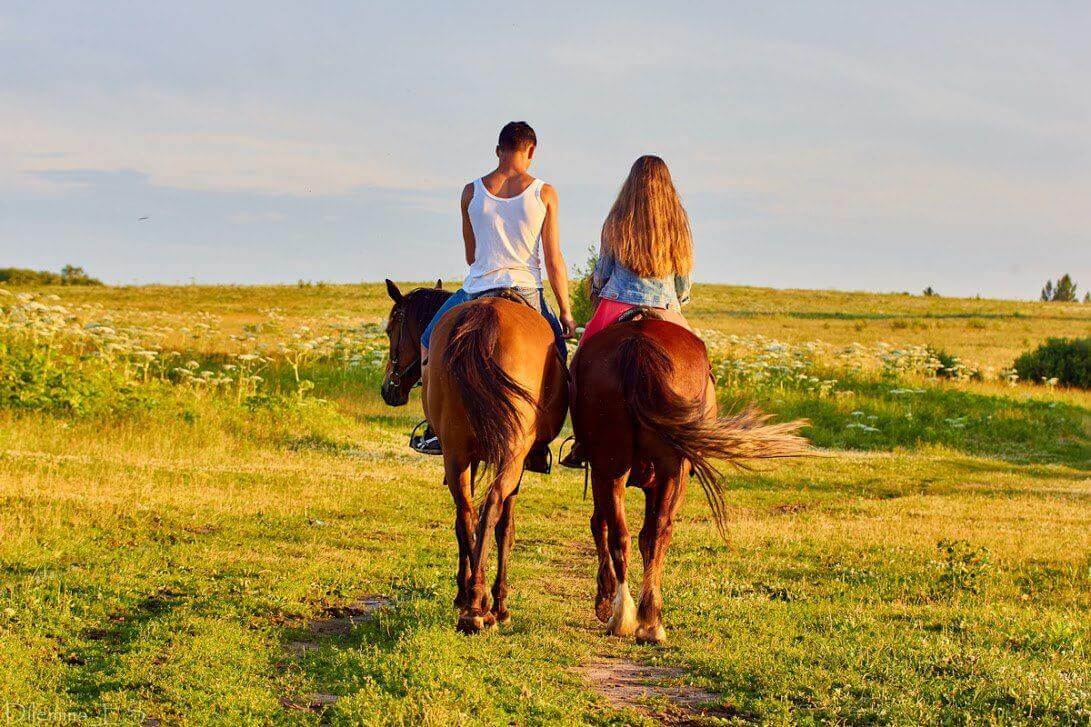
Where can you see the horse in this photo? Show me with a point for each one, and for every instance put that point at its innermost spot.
(645, 411)
(493, 388)
(408, 318)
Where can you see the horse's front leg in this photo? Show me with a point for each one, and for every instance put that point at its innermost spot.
(459, 480)
(662, 501)
(505, 538)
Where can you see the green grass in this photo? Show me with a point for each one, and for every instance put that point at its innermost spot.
(156, 562)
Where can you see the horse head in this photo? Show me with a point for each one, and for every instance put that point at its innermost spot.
(408, 317)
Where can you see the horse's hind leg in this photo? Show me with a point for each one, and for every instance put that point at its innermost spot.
(609, 493)
(475, 614)
(662, 501)
(505, 537)
(607, 581)
(459, 480)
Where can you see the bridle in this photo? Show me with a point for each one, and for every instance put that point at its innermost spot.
(395, 376)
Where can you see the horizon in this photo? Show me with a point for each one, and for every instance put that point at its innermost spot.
(448, 284)
(815, 148)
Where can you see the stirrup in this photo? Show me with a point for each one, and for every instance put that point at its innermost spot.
(568, 460)
(416, 441)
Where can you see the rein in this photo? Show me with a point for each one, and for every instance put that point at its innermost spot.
(395, 377)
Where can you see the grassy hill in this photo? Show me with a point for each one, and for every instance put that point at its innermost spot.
(199, 482)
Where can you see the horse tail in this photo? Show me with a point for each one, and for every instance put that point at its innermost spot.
(488, 392)
(644, 367)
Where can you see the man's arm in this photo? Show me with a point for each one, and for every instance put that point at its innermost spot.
(554, 260)
(467, 229)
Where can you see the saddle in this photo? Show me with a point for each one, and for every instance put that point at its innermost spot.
(506, 294)
(639, 313)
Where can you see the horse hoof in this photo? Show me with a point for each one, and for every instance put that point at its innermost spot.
(471, 625)
(604, 609)
(651, 635)
(502, 617)
(623, 618)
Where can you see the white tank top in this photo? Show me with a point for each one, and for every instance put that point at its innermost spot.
(508, 233)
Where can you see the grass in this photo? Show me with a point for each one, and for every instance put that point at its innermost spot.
(156, 563)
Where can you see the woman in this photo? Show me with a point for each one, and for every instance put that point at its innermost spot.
(645, 256)
(646, 253)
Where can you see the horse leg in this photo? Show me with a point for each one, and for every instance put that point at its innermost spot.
(662, 501)
(609, 495)
(607, 581)
(459, 480)
(505, 538)
(475, 614)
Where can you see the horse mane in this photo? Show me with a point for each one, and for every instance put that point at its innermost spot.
(422, 303)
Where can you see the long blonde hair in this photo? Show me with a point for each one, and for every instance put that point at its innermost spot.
(647, 229)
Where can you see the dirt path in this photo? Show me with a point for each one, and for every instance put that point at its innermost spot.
(334, 622)
(656, 692)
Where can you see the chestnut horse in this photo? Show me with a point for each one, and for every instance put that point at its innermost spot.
(494, 387)
(408, 318)
(645, 411)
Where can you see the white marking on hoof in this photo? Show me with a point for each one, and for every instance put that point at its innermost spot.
(623, 621)
(472, 624)
(651, 634)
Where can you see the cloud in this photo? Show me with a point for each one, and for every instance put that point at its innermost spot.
(246, 218)
(189, 143)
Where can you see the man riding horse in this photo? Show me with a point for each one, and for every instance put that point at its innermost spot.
(491, 362)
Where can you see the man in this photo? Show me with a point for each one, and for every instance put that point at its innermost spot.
(507, 215)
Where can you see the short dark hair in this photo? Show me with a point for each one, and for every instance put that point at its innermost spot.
(516, 135)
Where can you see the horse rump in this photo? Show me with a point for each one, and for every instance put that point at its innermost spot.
(487, 391)
(645, 369)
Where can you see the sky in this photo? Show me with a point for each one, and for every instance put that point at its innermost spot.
(858, 146)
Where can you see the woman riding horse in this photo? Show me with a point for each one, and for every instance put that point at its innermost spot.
(644, 411)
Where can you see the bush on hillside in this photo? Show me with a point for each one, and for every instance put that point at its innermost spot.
(580, 294)
(948, 365)
(1065, 360)
(69, 275)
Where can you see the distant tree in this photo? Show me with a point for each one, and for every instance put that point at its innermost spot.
(929, 292)
(1087, 297)
(1063, 291)
(69, 275)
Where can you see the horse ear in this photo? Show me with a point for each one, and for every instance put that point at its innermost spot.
(393, 292)
(439, 284)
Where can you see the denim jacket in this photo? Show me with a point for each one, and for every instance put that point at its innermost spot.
(613, 280)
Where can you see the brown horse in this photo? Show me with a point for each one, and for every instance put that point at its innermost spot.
(645, 411)
(493, 388)
(408, 318)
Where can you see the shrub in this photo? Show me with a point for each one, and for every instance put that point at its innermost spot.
(38, 378)
(582, 308)
(69, 275)
(1065, 361)
(948, 363)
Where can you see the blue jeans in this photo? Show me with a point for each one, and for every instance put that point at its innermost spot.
(534, 296)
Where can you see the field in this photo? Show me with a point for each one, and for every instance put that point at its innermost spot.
(209, 516)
